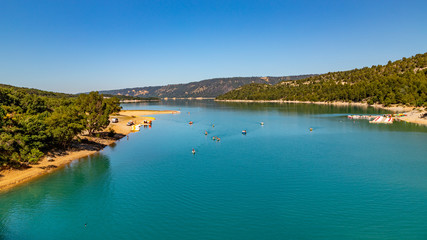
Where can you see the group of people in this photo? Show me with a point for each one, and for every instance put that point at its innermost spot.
(215, 138)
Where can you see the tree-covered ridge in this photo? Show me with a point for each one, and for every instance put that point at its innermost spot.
(38, 92)
(43, 93)
(31, 124)
(400, 82)
(206, 88)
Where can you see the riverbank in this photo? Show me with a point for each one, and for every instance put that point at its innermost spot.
(189, 98)
(86, 146)
(139, 100)
(412, 114)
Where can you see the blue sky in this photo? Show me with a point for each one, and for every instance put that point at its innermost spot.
(77, 46)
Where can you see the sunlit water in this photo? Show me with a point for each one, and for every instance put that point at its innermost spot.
(344, 180)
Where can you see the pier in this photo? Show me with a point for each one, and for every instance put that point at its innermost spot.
(386, 119)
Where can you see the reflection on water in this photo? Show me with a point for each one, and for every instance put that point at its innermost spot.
(51, 195)
(113, 145)
(286, 108)
(303, 108)
(289, 109)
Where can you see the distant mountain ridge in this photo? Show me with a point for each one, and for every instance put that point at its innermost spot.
(43, 93)
(209, 88)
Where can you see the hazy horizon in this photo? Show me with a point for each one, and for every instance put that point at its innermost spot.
(97, 45)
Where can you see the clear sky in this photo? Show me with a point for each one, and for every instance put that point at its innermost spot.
(77, 46)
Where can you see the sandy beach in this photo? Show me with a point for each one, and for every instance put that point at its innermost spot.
(56, 159)
(413, 114)
(135, 115)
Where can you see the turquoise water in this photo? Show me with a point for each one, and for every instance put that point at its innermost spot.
(345, 180)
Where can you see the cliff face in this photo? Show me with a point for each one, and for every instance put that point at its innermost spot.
(206, 88)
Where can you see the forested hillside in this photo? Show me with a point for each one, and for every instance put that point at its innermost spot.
(37, 92)
(206, 88)
(400, 82)
(43, 93)
(34, 121)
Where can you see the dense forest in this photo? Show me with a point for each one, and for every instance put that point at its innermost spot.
(400, 82)
(38, 92)
(34, 121)
(66, 95)
(206, 88)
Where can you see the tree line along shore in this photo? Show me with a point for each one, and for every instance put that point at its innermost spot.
(42, 131)
(400, 82)
(31, 125)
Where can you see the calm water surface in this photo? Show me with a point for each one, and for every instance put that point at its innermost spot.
(345, 180)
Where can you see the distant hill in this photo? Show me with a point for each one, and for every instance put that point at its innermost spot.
(207, 88)
(38, 92)
(400, 82)
(43, 93)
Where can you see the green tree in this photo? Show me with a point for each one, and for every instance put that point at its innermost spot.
(64, 124)
(96, 110)
(33, 121)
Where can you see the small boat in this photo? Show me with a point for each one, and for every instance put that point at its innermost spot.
(262, 123)
(244, 132)
(311, 129)
(191, 123)
(194, 151)
(206, 132)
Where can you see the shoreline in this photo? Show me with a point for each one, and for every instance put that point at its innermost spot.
(55, 160)
(189, 98)
(138, 100)
(412, 113)
(319, 103)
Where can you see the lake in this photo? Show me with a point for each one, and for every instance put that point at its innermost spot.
(344, 180)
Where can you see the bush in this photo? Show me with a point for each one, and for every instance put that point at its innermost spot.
(34, 156)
